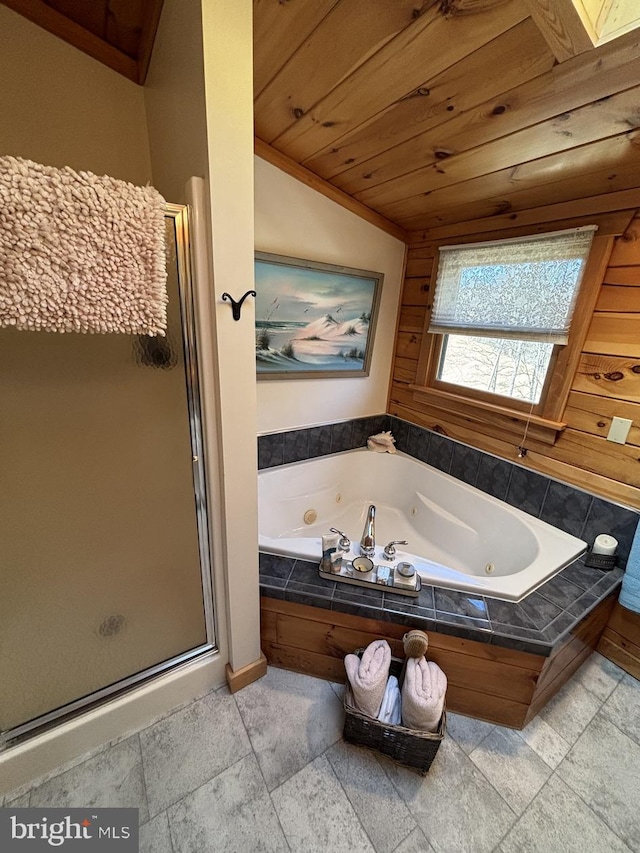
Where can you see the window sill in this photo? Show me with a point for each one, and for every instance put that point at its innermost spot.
(511, 421)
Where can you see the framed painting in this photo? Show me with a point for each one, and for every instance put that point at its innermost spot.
(313, 320)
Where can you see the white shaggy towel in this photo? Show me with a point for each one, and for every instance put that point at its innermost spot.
(423, 692)
(390, 710)
(79, 252)
(368, 676)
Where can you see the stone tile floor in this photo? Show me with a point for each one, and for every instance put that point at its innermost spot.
(267, 769)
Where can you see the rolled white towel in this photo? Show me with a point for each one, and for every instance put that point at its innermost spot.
(390, 710)
(423, 692)
(368, 676)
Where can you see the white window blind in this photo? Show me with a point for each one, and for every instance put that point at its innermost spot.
(524, 288)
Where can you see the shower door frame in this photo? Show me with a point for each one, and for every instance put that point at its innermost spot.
(179, 213)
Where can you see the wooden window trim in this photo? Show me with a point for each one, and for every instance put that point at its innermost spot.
(474, 394)
(545, 419)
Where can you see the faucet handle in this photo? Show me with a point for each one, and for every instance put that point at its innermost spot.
(345, 543)
(389, 552)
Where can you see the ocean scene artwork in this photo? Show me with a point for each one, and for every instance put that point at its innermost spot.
(313, 319)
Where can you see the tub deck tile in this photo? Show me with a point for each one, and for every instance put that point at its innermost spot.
(533, 625)
(273, 588)
(359, 595)
(410, 616)
(508, 613)
(424, 599)
(275, 566)
(583, 604)
(304, 593)
(520, 639)
(608, 582)
(274, 592)
(559, 627)
(461, 603)
(561, 591)
(394, 604)
(356, 609)
(583, 576)
(306, 572)
(539, 611)
(464, 627)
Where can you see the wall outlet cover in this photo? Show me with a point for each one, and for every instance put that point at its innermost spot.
(619, 430)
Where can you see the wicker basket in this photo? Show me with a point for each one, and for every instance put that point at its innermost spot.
(413, 749)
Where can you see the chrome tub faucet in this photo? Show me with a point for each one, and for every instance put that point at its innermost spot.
(368, 540)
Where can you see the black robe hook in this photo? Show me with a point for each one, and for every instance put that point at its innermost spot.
(236, 306)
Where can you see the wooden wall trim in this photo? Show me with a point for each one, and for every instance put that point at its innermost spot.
(569, 357)
(562, 27)
(239, 678)
(286, 164)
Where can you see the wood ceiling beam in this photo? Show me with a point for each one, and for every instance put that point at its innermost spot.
(57, 24)
(564, 30)
(286, 164)
(622, 204)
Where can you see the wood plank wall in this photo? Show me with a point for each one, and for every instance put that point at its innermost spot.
(620, 641)
(606, 382)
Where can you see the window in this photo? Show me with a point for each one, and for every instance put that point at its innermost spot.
(503, 366)
(500, 321)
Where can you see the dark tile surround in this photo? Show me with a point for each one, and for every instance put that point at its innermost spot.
(534, 624)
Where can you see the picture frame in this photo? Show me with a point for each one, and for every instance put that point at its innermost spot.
(314, 320)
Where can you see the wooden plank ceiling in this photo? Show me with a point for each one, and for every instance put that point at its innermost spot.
(118, 33)
(436, 113)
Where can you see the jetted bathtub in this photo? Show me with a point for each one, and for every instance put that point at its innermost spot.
(458, 537)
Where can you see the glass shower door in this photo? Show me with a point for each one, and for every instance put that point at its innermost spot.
(104, 558)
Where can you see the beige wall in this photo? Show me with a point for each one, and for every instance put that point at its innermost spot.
(62, 108)
(174, 100)
(293, 219)
(227, 51)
